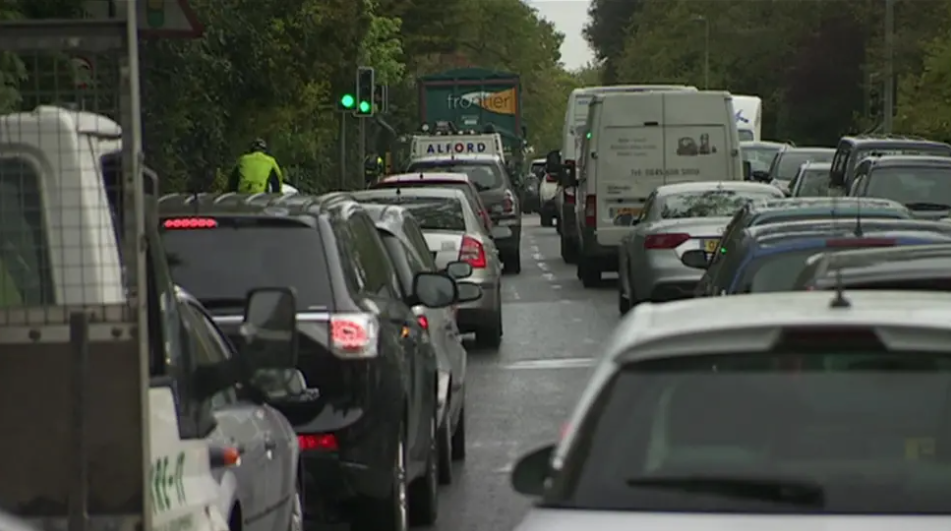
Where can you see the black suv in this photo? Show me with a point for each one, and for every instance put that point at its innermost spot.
(366, 440)
(498, 191)
(853, 149)
(920, 183)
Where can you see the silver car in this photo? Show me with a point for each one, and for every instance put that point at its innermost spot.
(776, 412)
(453, 232)
(678, 218)
(812, 180)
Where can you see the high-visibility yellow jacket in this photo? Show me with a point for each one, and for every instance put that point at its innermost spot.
(256, 172)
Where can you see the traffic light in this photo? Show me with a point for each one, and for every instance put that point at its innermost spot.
(381, 98)
(347, 102)
(366, 82)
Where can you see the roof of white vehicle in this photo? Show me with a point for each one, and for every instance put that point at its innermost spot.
(80, 121)
(678, 320)
(680, 188)
(444, 176)
(424, 191)
(459, 156)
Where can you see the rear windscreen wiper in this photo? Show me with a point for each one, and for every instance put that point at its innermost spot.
(779, 490)
(928, 206)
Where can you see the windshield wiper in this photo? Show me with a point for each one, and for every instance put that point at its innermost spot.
(792, 491)
(928, 206)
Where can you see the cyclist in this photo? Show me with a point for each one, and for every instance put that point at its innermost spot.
(256, 172)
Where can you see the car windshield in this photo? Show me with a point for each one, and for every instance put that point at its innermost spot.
(708, 203)
(760, 157)
(483, 176)
(220, 265)
(820, 429)
(911, 185)
(814, 183)
(790, 161)
(432, 213)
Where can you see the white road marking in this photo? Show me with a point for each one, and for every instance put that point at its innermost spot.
(549, 277)
(557, 286)
(507, 469)
(516, 296)
(551, 363)
(541, 265)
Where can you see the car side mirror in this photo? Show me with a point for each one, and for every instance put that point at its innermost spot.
(747, 170)
(269, 329)
(532, 471)
(696, 259)
(500, 232)
(434, 290)
(459, 270)
(760, 176)
(468, 292)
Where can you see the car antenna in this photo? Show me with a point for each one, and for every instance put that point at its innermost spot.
(399, 194)
(839, 301)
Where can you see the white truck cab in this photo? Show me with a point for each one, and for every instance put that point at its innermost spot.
(749, 117)
(60, 256)
(637, 141)
(450, 145)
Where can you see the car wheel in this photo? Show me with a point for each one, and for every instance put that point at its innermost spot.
(296, 521)
(589, 275)
(459, 438)
(623, 303)
(513, 263)
(445, 451)
(392, 512)
(546, 220)
(490, 336)
(568, 251)
(424, 491)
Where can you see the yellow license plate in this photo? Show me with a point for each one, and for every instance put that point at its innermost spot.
(626, 212)
(710, 246)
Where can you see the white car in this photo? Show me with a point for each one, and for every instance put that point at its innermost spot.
(806, 410)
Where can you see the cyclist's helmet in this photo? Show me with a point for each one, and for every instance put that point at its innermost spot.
(259, 145)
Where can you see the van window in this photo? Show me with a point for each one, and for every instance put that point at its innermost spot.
(25, 276)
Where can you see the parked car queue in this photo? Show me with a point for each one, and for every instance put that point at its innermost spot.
(386, 282)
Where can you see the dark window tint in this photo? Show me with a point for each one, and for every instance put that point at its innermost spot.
(415, 235)
(853, 430)
(711, 203)
(208, 348)
(789, 162)
(219, 266)
(911, 185)
(774, 272)
(371, 260)
(25, 276)
(813, 183)
(398, 255)
(483, 176)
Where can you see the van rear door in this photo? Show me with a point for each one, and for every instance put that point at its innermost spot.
(698, 138)
(629, 145)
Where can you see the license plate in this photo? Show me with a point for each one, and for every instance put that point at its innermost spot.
(618, 212)
(710, 246)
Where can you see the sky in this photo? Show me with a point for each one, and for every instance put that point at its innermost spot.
(569, 17)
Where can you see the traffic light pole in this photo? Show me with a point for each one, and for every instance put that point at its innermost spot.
(363, 141)
(343, 150)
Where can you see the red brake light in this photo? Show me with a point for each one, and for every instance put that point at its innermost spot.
(354, 335)
(190, 223)
(861, 242)
(423, 322)
(472, 251)
(549, 178)
(665, 241)
(319, 441)
(591, 210)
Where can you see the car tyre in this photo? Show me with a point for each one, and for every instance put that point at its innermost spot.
(459, 438)
(513, 263)
(444, 440)
(392, 512)
(589, 275)
(546, 220)
(569, 253)
(490, 336)
(623, 303)
(424, 491)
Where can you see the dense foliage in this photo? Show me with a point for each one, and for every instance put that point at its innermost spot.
(818, 65)
(269, 68)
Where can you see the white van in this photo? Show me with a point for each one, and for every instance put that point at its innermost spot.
(573, 132)
(61, 255)
(637, 142)
(749, 116)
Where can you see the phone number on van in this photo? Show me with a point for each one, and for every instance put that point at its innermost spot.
(663, 173)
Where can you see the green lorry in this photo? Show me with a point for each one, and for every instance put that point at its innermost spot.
(474, 99)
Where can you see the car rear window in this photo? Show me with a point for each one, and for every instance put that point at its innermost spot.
(774, 272)
(910, 185)
(845, 214)
(432, 213)
(709, 203)
(849, 429)
(484, 176)
(813, 183)
(423, 183)
(790, 161)
(220, 265)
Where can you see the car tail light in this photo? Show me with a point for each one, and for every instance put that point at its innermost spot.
(591, 210)
(569, 196)
(472, 252)
(861, 242)
(223, 456)
(190, 223)
(317, 441)
(549, 178)
(665, 241)
(423, 322)
(354, 335)
(508, 203)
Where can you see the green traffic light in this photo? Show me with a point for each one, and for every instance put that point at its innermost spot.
(364, 106)
(347, 100)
